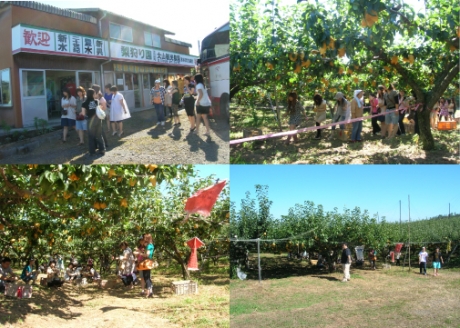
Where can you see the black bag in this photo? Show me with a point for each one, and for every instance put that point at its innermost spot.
(64, 112)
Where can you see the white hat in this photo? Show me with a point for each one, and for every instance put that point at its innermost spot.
(157, 81)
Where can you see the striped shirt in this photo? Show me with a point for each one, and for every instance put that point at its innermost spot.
(154, 93)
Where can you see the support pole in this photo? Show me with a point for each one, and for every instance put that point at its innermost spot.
(258, 260)
(409, 233)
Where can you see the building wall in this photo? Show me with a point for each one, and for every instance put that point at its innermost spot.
(51, 21)
(8, 114)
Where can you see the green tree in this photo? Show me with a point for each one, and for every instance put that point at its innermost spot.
(345, 45)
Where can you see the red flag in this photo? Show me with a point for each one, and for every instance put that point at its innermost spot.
(203, 200)
(194, 244)
(398, 247)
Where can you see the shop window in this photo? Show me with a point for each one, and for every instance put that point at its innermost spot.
(145, 80)
(33, 84)
(152, 40)
(129, 81)
(120, 81)
(5, 88)
(121, 32)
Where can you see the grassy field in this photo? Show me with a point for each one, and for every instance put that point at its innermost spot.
(331, 150)
(71, 306)
(383, 298)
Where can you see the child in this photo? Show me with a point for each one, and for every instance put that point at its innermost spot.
(444, 109)
(374, 102)
(294, 109)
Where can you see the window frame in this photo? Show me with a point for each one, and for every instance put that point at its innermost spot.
(10, 104)
(121, 28)
(152, 36)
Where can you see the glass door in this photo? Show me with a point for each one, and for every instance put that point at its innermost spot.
(33, 96)
(137, 91)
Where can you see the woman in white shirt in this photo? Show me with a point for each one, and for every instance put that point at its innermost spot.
(118, 111)
(203, 104)
(68, 117)
(127, 265)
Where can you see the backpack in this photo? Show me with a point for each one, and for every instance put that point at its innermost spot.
(176, 97)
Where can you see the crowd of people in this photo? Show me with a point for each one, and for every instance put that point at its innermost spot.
(89, 108)
(131, 269)
(398, 108)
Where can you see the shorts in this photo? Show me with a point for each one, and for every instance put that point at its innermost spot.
(82, 125)
(175, 108)
(203, 109)
(436, 265)
(67, 122)
(391, 118)
(190, 111)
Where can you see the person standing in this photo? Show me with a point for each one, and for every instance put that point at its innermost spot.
(149, 250)
(81, 124)
(437, 260)
(127, 265)
(118, 111)
(189, 104)
(374, 102)
(402, 111)
(340, 111)
(175, 101)
(95, 138)
(392, 103)
(372, 258)
(139, 258)
(357, 107)
(203, 105)
(444, 109)
(158, 100)
(108, 99)
(382, 108)
(68, 116)
(168, 98)
(346, 262)
(295, 111)
(320, 110)
(422, 259)
(103, 104)
(398, 261)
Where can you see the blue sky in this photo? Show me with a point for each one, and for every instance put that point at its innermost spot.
(189, 20)
(221, 171)
(377, 188)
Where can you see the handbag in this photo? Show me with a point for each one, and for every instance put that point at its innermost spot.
(80, 117)
(64, 112)
(100, 113)
(147, 264)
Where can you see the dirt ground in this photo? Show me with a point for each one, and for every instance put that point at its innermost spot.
(142, 142)
(72, 306)
(331, 149)
(383, 298)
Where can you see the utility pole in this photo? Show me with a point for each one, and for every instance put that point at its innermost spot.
(409, 231)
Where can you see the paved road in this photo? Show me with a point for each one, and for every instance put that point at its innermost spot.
(142, 142)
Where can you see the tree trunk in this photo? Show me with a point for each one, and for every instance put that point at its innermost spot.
(423, 117)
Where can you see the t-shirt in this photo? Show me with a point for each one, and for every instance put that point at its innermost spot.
(4, 273)
(26, 270)
(423, 256)
(189, 101)
(150, 248)
(437, 257)
(52, 274)
(345, 253)
(205, 101)
(374, 105)
(90, 106)
(108, 98)
(70, 110)
(391, 99)
(95, 274)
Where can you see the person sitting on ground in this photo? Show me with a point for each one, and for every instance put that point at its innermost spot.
(91, 273)
(27, 273)
(52, 274)
(70, 274)
(6, 273)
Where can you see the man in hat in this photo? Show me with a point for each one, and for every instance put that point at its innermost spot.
(158, 100)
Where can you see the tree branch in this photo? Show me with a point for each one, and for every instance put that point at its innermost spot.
(444, 84)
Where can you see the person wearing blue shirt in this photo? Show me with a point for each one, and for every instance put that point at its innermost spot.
(27, 273)
(149, 250)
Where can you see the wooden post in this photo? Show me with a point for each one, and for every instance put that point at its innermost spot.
(258, 260)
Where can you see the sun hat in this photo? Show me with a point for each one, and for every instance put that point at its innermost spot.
(157, 81)
(338, 95)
